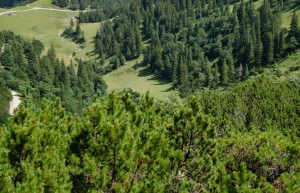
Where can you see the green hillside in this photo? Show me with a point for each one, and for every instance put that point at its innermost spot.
(222, 114)
(47, 26)
(56, 22)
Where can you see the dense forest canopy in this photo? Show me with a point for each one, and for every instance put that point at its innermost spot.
(245, 139)
(197, 43)
(36, 76)
(11, 3)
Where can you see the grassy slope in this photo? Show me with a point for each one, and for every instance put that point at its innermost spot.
(139, 79)
(42, 3)
(42, 25)
(289, 68)
(90, 30)
(47, 27)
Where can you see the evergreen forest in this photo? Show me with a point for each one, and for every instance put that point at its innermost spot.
(198, 43)
(11, 3)
(232, 126)
(40, 76)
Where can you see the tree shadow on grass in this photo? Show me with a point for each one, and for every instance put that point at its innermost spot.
(169, 89)
(147, 72)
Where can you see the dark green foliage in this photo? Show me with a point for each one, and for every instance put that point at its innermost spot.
(203, 35)
(77, 36)
(41, 150)
(61, 3)
(241, 140)
(36, 77)
(293, 38)
(120, 39)
(11, 3)
(240, 41)
(259, 161)
(259, 103)
(5, 96)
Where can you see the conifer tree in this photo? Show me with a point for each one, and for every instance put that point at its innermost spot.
(78, 29)
(7, 58)
(224, 73)
(293, 40)
(65, 76)
(71, 23)
(294, 26)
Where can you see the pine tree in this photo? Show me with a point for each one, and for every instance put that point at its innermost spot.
(258, 51)
(208, 75)
(65, 76)
(267, 32)
(294, 27)
(175, 71)
(245, 72)
(82, 37)
(7, 58)
(224, 73)
(270, 48)
(293, 39)
(71, 23)
(32, 70)
(182, 75)
(73, 78)
(78, 29)
(215, 75)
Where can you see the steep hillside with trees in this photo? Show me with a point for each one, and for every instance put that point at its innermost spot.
(36, 76)
(198, 43)
(5, 98)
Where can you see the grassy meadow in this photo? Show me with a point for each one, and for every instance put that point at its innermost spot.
(47, 26)
(90, 30)
(43, 25)
(138, 77)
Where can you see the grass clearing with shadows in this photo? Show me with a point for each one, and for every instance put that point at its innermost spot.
(138, 77)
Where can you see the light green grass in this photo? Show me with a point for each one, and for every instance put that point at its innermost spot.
(289, 68)
(286, 17)
(15, 8)
(42, 3)
(43, 25)
(39, 3)
(90, 30)
(140, 79)
(47, 26)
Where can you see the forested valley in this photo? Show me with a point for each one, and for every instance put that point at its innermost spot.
(232, 127)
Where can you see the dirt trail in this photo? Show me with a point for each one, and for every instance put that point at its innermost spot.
(40, 8)
(16, 101)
